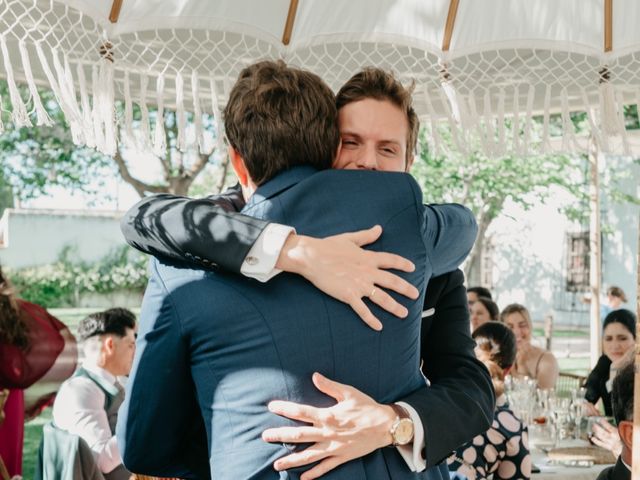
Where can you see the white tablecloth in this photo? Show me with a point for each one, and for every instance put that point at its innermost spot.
(559, 472)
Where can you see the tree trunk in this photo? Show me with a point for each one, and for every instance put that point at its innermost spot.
(473, 266)
(180, 185)
(223, 174)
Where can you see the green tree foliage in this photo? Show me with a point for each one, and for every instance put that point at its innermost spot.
(485, 184)
(35, 159)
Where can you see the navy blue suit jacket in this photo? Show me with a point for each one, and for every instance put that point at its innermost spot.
(219, 347)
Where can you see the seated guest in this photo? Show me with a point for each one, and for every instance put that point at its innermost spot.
(531, 361)
(33, 346)
(618, 336)
(615, 298)
(622, 399)
(87, 404)
(474, 292)
(503, 450)
(482, 311)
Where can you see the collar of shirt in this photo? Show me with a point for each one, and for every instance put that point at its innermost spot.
(100, 372)
(625, 464)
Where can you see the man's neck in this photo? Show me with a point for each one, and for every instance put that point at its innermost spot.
(248, 191)
(625, 456)
(98, 366)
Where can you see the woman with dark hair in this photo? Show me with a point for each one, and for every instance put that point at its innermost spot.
(531, 361)
(618, 337)
(30, 342)
(483, 310)
(502, 452)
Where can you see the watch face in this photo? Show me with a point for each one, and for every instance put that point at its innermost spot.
(404, 432)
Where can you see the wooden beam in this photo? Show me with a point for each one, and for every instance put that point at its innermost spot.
(595, 252)
(288, 26)
(448, 27)
(608, 25)
(115, 11)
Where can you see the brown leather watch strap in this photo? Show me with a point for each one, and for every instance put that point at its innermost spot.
(401, 412)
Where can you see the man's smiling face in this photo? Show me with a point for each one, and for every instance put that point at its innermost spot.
(374, 136)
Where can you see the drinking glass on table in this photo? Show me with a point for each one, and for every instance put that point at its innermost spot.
(561, 414)
(578, 411)
(542, 434)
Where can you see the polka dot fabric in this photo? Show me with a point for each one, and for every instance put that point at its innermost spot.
(502, 451)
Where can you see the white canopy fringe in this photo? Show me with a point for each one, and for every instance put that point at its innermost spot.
(520, 72)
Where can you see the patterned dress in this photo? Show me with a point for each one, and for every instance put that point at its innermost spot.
(502, 451)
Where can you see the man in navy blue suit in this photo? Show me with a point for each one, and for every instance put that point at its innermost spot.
(218, 348)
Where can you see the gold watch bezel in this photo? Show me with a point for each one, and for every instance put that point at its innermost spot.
(402, 431)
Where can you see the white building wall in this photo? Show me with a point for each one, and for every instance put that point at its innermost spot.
(530, 250)
(620, 257)
(36, 237)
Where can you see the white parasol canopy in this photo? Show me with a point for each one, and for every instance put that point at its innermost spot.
(475, 62)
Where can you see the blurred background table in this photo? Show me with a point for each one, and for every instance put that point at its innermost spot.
(560, 472)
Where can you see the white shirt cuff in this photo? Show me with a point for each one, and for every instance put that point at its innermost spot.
(412, 453)
(261, 260)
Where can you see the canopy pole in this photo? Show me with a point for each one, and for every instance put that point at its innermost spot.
(635, 458)
(608, 25)
(595, 253)
(448, 26)
(288, 26)
(115, 11)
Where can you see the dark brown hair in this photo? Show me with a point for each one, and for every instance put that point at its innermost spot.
(114, 321)
(491, 306)
(498, 340)
(498, 346)
(480, 292)
(380, 85)
(13, 330)
(278, 117)
(622, 393)
(624, 317)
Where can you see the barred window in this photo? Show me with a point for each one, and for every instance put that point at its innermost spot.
(577, 261)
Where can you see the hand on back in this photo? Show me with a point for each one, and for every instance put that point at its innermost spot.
(341, 268)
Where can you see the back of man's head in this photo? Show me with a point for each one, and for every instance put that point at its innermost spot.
(622, 394)
(622, 403)
(114, 321)
(376, 83)
(278, 117)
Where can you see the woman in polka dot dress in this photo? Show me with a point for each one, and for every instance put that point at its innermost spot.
(503, 450)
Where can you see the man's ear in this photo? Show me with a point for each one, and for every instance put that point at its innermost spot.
(237, 162)
(109, 344)
(625, 429)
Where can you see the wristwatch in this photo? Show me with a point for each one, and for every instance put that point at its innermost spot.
(402, 429)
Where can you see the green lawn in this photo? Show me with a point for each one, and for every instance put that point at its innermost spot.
(32, 435)
(563, 332)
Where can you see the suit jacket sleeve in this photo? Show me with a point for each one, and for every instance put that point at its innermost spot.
(595, 384)
(207, 232)
(159, 431)
(459, 403)
(450, 231)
